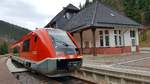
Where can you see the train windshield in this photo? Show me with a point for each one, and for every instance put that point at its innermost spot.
(62, 42)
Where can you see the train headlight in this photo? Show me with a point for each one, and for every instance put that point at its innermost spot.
(71, 56)
(60, 54)
(79, 56)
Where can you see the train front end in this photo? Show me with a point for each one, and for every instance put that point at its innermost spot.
(67, 53)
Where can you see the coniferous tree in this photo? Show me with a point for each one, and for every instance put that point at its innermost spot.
(138, 10)
(4, 48)
(80, 6)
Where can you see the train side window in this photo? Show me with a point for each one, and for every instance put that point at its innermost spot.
(35, 39)
(26, 45)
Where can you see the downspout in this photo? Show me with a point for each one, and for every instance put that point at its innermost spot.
(93, 30)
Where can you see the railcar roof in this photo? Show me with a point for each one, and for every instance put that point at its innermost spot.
(35, 32)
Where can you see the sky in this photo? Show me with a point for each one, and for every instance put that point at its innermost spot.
(32, 14)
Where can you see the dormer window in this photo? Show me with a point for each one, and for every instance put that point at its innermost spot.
(67, 16)
(54, 25)
(112, 14)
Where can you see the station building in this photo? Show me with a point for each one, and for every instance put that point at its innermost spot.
(99, 29)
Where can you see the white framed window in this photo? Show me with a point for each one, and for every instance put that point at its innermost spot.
(118, 37)
(133, 37)
(104, 38)
(67, 16)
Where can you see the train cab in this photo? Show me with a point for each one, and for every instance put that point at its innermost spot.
(48, 51)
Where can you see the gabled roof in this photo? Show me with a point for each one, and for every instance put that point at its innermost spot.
(100, 15)
(72, 7)
(59, 16)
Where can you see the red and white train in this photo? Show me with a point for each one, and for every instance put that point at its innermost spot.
(49, 51)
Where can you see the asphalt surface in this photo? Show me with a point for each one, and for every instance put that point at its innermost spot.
(112, 59)
(138, 64)
(5, 75)
(138, 61)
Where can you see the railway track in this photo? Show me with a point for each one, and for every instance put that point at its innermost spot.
(35, 78)
(28, 77)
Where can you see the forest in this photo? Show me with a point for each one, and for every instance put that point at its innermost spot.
(138, 10)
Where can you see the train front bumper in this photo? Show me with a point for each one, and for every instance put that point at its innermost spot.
(58, 66)
(68, 64)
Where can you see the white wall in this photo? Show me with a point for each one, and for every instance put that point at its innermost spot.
(126, 37)
(137, 37)
(87, 36)
(77, 37)
(111, 37)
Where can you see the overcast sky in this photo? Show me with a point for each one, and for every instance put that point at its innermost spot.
(32, 13)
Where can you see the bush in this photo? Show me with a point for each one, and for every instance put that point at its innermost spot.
(4, 48)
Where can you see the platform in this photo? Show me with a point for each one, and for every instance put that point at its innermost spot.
(14, 68)
(5, 76)
(116, 69)
(137, 60)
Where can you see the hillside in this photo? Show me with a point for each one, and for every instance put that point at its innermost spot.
(10, 32)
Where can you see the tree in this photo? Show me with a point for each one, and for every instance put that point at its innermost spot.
(87, 2)
(138, 10)
(80, 6)
(3, 48)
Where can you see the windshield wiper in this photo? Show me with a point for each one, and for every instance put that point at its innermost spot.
(65, 44)
(59, 41)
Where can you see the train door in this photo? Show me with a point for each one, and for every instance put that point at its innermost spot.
(34, 47)
(26, 48)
